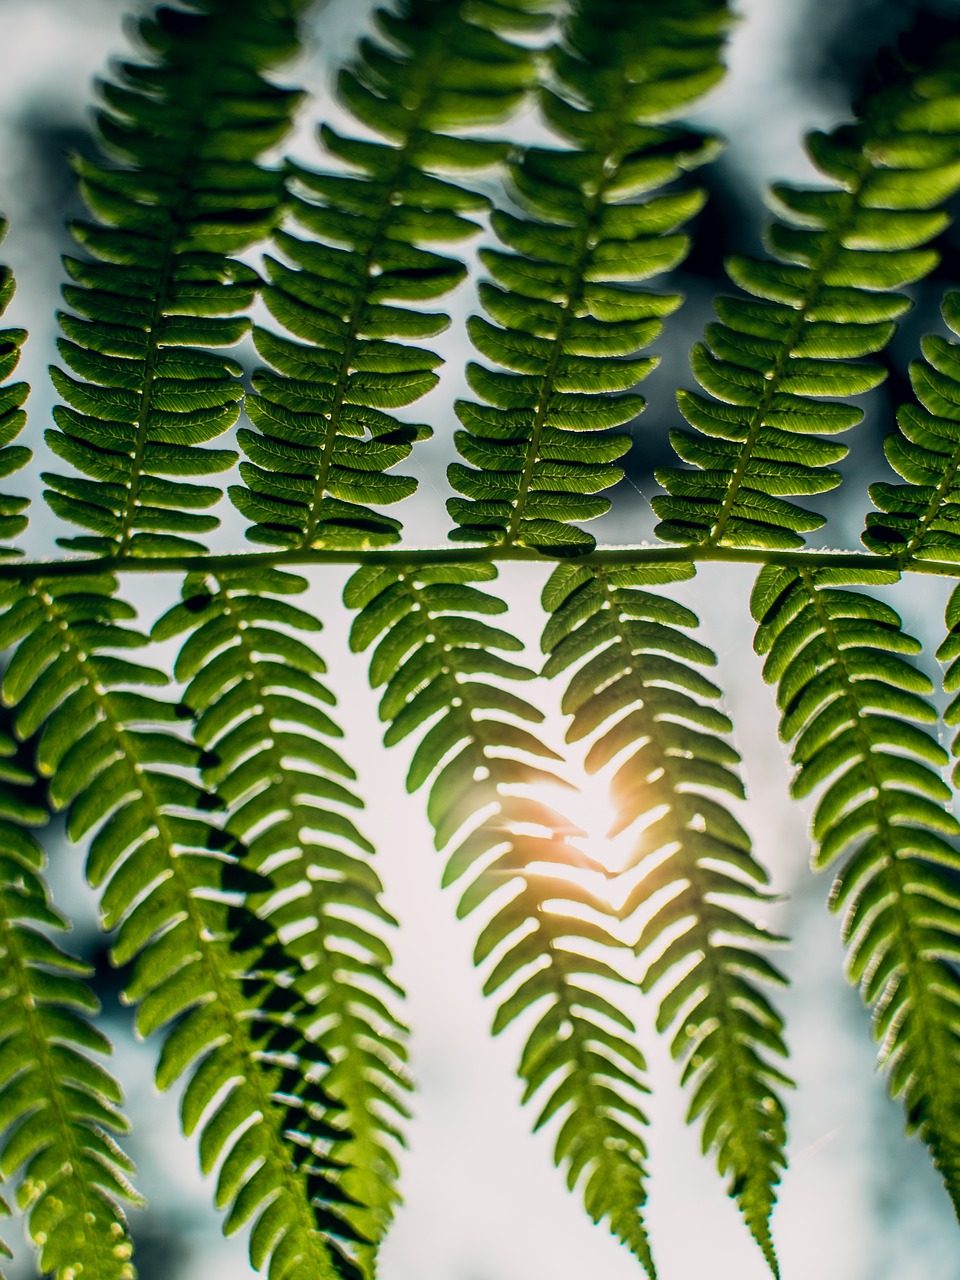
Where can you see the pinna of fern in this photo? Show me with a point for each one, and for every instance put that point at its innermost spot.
(205, 970)
(183, 191)
(59, 1106)
(263, 719)
(437, 660)
(793, 337)
(636, 690)
(12, 414)
(566, 316)
(856, 711)
(318, 463)
(919, 518)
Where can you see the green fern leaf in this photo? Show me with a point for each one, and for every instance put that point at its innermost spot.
(856, 712)
(568, 317)
(775, 356)
(948, 653)
(922, 517)
(12, 415)
(262, 719)
(638, 693)
(435, 656)
(204, 969)
(158, 288)
(318, 462)
(59, 1106)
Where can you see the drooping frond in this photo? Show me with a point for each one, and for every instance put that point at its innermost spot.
(792, 339)
(183, 191)
(553, 948)
(12, 415)
(202, 967)
(949, 652)
(566, 317)
(922, 517)
(262, 718)
(325, 441)
(855, 710)
(59, 1107)
(639, 693)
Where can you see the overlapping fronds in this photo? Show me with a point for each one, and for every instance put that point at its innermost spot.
(203, 968)
(793, 338)
(639, 693)
(157, 290)
(263, 719)
(442, 667)
(856, 711)
(922, 517)
(319, 462)
(59, 1107)
(12, 415)
(566, 316)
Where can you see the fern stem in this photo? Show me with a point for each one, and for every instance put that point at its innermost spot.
(174, 231)
(420, 557)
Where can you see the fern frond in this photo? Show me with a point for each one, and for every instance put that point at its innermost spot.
(59, 1107)
(783, 346)
(262, 719)
(170, 879)
(325, 441)
(158, 288)
(639, 693)
(856, 711)
(12, 414)
(548, 933)
(949, 653)
(567, 317)
(922, 517)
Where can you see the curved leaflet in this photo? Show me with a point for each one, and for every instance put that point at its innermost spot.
(791, 340)
(319, 463)
(204, 970)
(159, 288)
(59, 1107)
(856, 711)
(438, 659)
(565, 314)
(637, 691)
(263, 719)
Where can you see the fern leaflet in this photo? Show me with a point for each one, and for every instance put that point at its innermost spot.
(202, 966)
(567, 316)
(161, 288)
(435, 655)
(856, 710)
(262, 720)
(775, 357)
(12, 415)
(918, 518)
(58, 1106)
(637, 688)
(325, 441)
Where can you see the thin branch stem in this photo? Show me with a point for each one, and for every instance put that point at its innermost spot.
(412, 557)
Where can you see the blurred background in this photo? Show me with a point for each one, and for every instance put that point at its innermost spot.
(483, 1201)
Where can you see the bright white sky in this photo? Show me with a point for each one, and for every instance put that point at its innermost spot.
(483, 1201)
